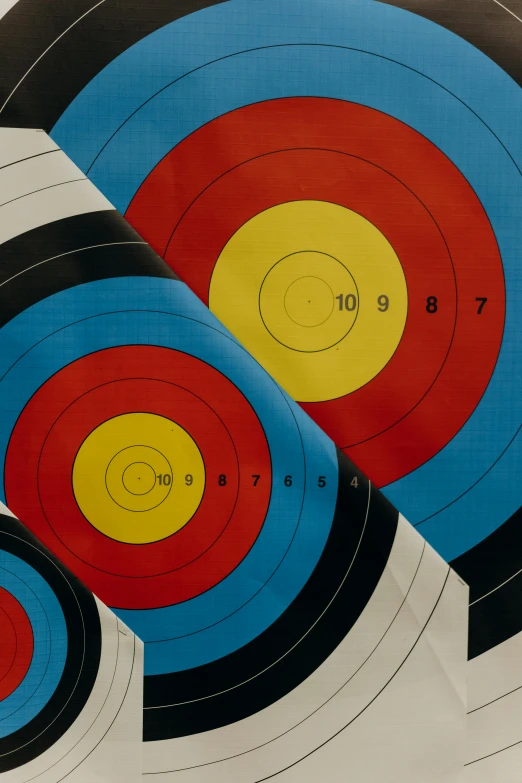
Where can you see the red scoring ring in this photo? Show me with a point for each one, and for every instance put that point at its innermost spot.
(198, 161)
(128, 379)
(115, 399)
(16, 648)
(356, 184)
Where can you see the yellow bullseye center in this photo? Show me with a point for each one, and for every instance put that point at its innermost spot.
(297, 305)
(138, 478)
(309, 301)
(316, 293)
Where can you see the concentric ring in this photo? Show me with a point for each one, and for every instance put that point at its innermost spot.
(458, 110)
(272, 484)
(408, 175)
(294, 292)
(470, 107)
(388, 68)
(16, 652)
(117, 473)
(173, 387)
(314, 241)
(56, 625)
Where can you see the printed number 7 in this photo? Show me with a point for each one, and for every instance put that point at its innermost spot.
(482, 300)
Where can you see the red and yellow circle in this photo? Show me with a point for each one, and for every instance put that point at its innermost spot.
(113, 418)
(314, 255)
(130, 477)
(205, 194)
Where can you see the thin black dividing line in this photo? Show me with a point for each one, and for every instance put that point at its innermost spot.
(420, 636)
(494, 700)
(65, 578)
(95, 718)
(251, 750)
(49, 653)
(495, 753)
(57, 185)
(299, 641)
(302, 45)
(481, 478)
(30, 157)
(16, 644)
(118, 712)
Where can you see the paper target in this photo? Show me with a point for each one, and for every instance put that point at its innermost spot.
(449, 432)
(437, 205)
(165, 467)
(107, 404)
(64, 673)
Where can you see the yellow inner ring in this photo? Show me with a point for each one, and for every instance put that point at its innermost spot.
(309, 301)
(138, 478)
(298, 307)
(272, 262)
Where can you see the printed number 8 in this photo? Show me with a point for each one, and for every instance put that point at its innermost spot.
(431, 304)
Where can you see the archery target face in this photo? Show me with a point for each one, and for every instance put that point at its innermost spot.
(353, 60)
(350, 212)
(139, 452)
(64, 673)
(160, 461)
(244, 592)
(214, 493)
(342, 294)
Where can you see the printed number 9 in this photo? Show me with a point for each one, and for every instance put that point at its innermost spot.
(188, 479)
(383, 303)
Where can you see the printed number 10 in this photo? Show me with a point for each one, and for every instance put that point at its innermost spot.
(348, 302)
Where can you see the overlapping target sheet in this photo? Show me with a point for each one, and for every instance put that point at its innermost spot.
(70, 673)
(339, 186)
(290, 615)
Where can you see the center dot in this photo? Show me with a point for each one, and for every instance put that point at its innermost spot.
(139, 478)
(309, 301)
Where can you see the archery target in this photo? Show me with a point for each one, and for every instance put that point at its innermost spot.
(410, 133)
(160, 428)
(202, 203)
(394, 301)
(267, 511)
(236, 565)
(450, 477)
(64, 673)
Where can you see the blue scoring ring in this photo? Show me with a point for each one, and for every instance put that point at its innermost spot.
(224, 57)
(49, 634)
(152, 311)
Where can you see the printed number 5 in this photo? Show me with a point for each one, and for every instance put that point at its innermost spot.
(322, 481)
